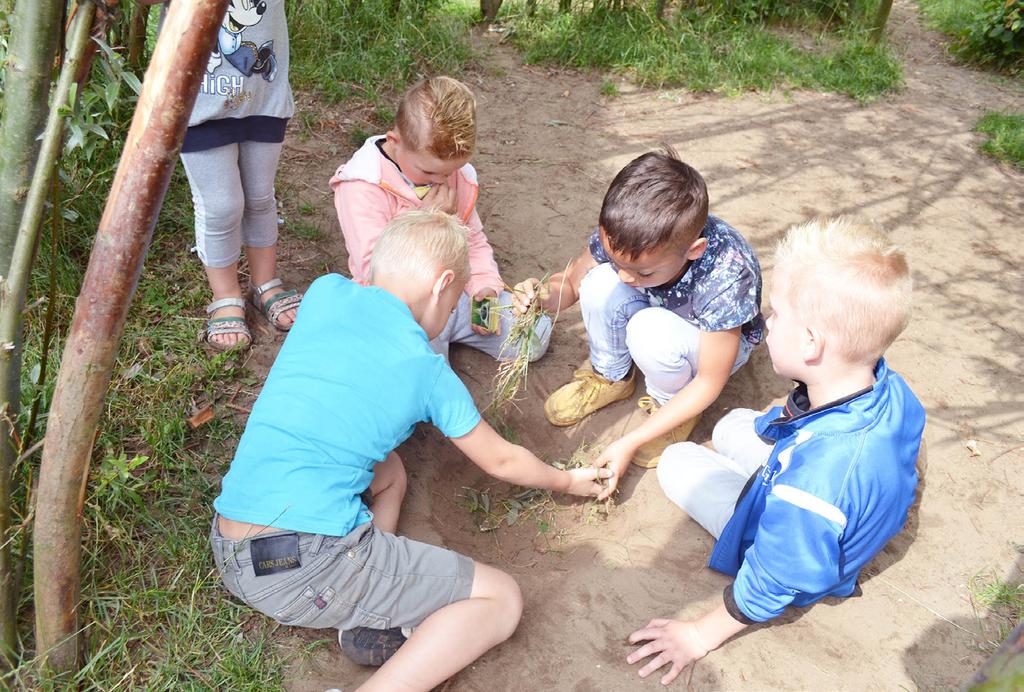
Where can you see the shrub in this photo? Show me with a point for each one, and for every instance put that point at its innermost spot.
(987, 32)
(997, 34)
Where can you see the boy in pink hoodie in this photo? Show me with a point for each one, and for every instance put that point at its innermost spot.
(423, 163)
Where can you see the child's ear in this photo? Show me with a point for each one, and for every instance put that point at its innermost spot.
(812, 345)
(442, 282)
(697, 249)
(393, 136)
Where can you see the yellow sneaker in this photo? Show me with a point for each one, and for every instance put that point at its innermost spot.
(586, 393)
(649, 453)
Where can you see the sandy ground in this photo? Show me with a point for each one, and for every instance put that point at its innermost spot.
(549, 145)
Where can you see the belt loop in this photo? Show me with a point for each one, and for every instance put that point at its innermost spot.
(231, 550)
(318, 541)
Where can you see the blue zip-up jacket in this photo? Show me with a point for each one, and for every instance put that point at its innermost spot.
(835, 489)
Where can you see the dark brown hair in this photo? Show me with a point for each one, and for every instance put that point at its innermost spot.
(655, 200)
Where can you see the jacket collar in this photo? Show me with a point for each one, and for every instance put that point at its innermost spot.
(861, 402)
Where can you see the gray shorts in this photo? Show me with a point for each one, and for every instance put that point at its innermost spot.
(365, 579)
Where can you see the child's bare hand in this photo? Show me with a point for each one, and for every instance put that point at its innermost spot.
(443, 198)
(524, 293)
(669, 641)
(616, 457)
(585, 481)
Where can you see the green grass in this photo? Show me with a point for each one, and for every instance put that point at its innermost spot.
(953, 17)
(1005, 137)
(1003, 602)
(609, 88)
(345, 49)
(154, 612)
(704, 50)
(301, 228)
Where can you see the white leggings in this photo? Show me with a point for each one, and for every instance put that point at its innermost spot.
(707, 482)
(233, 195)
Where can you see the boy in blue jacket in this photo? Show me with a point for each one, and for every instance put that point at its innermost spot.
(802, 497)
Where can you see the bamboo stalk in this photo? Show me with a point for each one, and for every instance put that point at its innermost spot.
(137, 36)
(150, 153)
(35, 32)
(21, 209)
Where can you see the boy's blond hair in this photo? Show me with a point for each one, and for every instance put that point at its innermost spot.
(844, 276)
(418, 245)
(438, 114)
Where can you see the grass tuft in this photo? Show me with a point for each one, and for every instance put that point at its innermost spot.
(357, 49)
(1005, 137)
(1003, 600)
(703, 49)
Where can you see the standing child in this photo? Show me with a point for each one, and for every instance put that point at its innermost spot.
(423, 163)
(665, 286)
(306, 519)
(823, 482)
(230, 155)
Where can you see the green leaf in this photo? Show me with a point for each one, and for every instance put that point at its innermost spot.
(111, 91)
(132, 81)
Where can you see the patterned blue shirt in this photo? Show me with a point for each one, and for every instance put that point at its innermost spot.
(720, 290)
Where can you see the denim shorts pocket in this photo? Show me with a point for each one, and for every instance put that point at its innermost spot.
(314, 607)
(365, 618)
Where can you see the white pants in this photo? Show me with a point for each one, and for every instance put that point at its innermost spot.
(707, 482)
(624, 328)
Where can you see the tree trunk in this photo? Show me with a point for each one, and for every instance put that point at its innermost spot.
(881, 18)
(35, 32)
(150, 153)
(489, 10)
(137, 36)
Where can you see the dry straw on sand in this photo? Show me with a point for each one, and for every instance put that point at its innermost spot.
(520, 342)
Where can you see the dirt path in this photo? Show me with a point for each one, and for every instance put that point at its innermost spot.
(549, 143)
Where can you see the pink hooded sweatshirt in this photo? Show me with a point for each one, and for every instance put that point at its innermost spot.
(369, 191)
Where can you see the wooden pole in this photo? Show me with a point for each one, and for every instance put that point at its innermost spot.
(150, 152)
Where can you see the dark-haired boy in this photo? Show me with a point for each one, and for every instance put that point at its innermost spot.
(662, 285)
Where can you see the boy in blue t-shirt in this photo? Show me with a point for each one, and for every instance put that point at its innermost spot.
(305, 522)
(802, 497)
(662, 285)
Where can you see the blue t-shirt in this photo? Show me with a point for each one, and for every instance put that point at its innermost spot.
(720, 290)
(352, 380)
